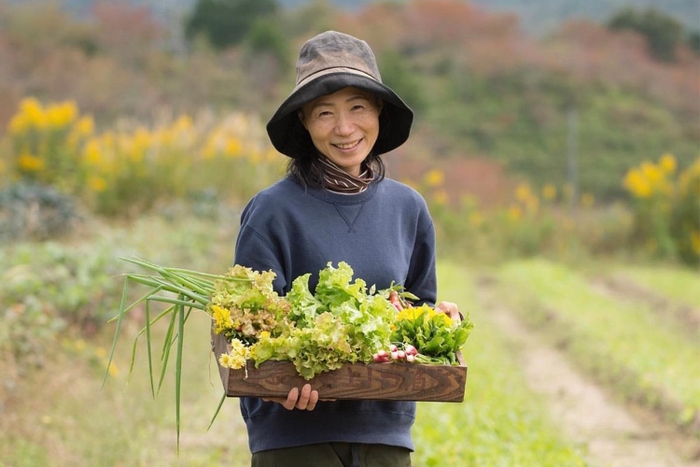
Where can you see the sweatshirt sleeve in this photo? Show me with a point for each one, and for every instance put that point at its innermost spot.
(422, 276)
(255, 248)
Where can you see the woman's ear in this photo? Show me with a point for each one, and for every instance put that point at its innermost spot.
(300, 114)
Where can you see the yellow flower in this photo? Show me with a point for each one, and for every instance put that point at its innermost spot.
(667, 163)
(410, 313)
(30, 163)
(637, 184)
(435, 178)
(222, 319)
(97, 184)
(233, 147)
(33, 112)
(549, 192)
(413, 313)
(92, 152)
(515, 213)
(18, 124)
(236, 357)
(695, 241)
(61, 115)
(85, 126)
(523, 193)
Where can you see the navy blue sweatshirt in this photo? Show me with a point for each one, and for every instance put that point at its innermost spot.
(385, 234)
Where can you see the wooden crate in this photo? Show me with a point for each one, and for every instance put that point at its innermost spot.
(357, 381)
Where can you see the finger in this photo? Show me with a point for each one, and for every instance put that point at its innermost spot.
(313, 399)
(304, 398)
(451, 309)
(292, 398)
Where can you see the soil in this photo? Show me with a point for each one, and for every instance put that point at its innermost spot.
(614, 433)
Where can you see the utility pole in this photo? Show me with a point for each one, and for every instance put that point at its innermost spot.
(572, 157)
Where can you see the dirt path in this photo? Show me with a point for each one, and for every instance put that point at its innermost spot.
(612, 435)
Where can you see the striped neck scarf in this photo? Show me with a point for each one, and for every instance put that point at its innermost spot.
(337, 180)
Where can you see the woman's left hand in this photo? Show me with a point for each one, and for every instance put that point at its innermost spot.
(451, 309)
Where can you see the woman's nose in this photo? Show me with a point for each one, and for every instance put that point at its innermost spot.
(344, 125)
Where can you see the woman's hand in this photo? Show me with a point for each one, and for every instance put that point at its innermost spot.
(305, 399)
(451, 309)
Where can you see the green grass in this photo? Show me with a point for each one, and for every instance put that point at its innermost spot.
(70, 420)
(673, 282)
(500, 422)
(640, 354)
(73, 421)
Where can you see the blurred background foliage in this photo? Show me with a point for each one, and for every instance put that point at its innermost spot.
(567, 131)
(126, 106)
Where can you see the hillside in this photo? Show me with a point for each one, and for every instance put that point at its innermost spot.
(582, 102)
(541, 16)
(536, 16)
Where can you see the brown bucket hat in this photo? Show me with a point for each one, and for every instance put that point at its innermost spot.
(327, 63)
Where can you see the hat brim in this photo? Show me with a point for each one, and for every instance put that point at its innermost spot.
(289, 136)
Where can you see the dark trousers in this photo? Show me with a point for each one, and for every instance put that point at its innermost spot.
(334, 455)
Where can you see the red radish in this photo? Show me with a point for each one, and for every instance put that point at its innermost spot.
(395, 300)
(381, 358)
(411, 350)
(393, 348)
(401, 355)
(410, 358)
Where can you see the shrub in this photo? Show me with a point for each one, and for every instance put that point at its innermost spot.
(34, 211)
(667, 208)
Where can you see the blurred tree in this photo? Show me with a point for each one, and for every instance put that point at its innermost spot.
(694, 41)
(265, 37)
(663, 32)
(396, 74)
(309, 19)
(226, 22)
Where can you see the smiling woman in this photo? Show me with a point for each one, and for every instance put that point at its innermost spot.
(343, 126)
(336, 205)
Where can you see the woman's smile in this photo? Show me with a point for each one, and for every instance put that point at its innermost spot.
(343, 126)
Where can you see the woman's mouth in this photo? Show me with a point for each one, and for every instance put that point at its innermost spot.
(347, 146)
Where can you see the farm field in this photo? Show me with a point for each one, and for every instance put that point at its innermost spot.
(59, 414)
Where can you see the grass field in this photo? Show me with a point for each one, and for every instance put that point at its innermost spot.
(59, 414)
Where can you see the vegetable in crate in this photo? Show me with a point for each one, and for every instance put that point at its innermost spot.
(430, 333)
(343, 322)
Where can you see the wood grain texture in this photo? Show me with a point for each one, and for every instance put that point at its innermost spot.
(357, 381)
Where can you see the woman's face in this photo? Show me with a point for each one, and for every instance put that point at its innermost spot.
(343, 126)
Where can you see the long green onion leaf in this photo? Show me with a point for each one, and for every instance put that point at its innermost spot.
(116, 332)
(218, 409)
(165, 355)
(178, 368)
(148, 347)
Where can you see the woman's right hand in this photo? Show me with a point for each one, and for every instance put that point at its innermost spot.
(305, 399)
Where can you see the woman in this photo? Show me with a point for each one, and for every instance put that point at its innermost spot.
(336, 205)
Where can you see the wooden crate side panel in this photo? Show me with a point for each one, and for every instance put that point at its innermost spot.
(379, 381)
(359, 381)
